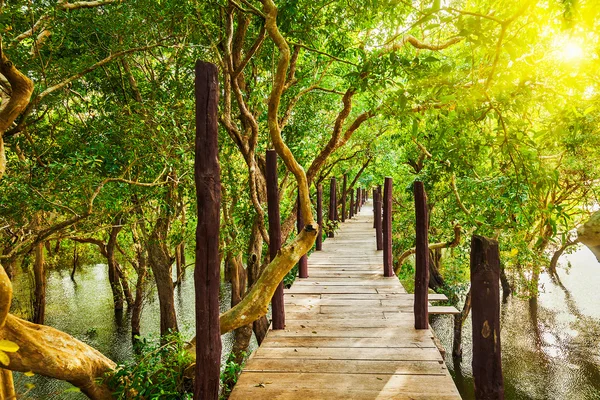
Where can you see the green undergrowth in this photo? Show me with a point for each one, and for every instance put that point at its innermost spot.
(158, 371)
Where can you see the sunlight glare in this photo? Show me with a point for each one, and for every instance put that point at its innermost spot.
(568, 48)
(572, 51)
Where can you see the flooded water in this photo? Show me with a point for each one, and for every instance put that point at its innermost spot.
(550, 346)
(85, 310)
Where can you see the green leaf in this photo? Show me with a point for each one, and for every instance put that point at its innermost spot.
(4, 360)
(8, 346)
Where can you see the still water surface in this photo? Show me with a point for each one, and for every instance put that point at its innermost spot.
(550, 347)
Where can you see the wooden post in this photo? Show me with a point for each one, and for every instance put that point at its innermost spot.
(344, 198)
(277, 306)
(388, 268)
(319, 243)
(485, 300)
(303, 262)
(351, 203)
(374, 220)
(378, 222)
(207, 272)
(421, 258)
(332, 205)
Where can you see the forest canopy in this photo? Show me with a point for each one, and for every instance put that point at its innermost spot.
(494, 105)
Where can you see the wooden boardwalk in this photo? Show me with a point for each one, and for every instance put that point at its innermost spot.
(349, 333)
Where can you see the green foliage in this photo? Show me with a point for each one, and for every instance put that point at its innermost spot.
(158, 371)
(229, 374)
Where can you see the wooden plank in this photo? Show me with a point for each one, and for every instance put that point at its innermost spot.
(350, 322)
(349, 333)
(394, 354)
(253, 384)
(333, 289)
(344, 342)
(443, 310)
(418, 367)
(397, 332)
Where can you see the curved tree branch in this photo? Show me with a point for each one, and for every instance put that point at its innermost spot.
(432, 246)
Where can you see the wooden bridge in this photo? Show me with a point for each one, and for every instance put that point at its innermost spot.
(349, 332)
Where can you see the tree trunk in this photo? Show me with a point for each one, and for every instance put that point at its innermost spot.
(75, 261)
(7, 385)
(46, 351)
(113, 274)
(142, 272)
(39, 273)
(253, 272)
(459, 320)
(179, 263)
(238, 279)
(160, 262)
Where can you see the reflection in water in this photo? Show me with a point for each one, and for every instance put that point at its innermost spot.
(550, 345)
(85, 310)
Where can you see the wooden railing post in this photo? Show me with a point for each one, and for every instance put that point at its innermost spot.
(421, 258)
(351, 203)
(344, 198)
(378, 222)
(319, 243)
(332, 205)
(303, 262)
(388, 268)
(485, 300)
(277, 305)
(207, 272)
(374, 220)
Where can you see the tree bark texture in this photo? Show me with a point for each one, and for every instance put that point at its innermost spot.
(459, 320)
(344, 197)
(39, 274)
(485, 293)
(374, 197)
(388, 267)
(207, 269)
(421, 257)
(303, 263)
(319, 244)
(332, 205)
(277, 305)
(160, 262)
(351, 203)
(113, 274)
(378, 222)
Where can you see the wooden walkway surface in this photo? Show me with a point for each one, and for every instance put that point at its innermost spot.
(349, 333)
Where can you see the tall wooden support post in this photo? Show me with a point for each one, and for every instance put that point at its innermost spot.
(421, 258)
(485, 300)
(332, 205)
(374, 220)
(319, 243)
(388, 268)
(207, 272)
(277, 306)
(303, 262)
(351, 203)
(378, 222)
(344, 197)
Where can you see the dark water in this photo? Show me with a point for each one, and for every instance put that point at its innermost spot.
(85, 311)
(550, 346)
